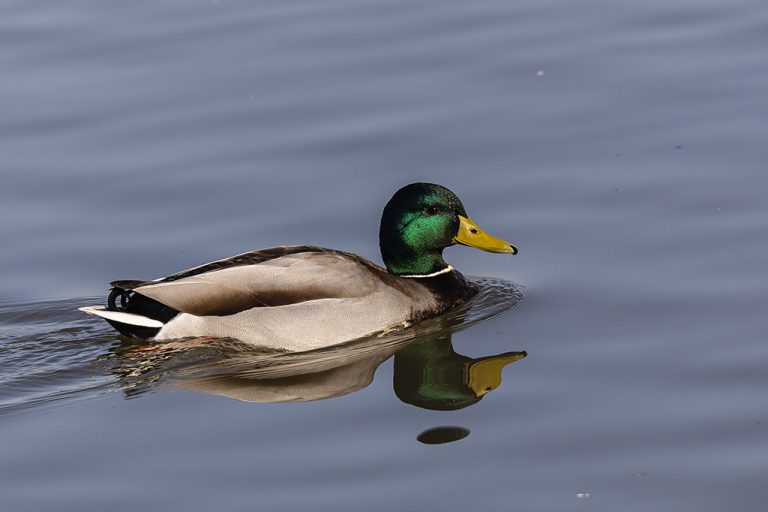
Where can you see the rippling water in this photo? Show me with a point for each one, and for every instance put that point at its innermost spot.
(621, 146)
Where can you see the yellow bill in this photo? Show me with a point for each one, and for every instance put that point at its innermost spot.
(484, 374)
(470, 234)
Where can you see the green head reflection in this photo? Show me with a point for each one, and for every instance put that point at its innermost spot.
(431, 375)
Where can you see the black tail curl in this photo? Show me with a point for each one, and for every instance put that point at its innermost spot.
(128, 301)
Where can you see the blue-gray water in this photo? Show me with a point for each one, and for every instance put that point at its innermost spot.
(622, 146)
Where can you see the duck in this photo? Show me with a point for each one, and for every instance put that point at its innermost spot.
(301, 298)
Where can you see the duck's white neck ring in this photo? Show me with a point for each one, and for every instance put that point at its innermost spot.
(433, 274)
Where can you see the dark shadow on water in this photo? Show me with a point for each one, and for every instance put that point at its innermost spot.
(442, 435)
(53, 353)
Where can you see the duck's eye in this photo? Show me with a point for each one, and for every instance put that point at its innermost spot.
(433, 210)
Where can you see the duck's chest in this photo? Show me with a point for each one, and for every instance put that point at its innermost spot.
(449, 290)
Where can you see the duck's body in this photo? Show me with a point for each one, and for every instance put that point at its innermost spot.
(297, 298)
(291, 298)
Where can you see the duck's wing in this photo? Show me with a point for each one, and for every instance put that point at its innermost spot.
(273, 277)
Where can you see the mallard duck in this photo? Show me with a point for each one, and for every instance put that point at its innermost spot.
(303, 297)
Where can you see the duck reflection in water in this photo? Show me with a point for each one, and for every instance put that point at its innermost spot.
(427, 374)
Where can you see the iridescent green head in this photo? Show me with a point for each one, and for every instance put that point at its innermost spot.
(420, 221)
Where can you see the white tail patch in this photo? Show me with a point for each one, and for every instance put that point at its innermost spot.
(121, 316)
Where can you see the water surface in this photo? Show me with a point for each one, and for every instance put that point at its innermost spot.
(621, 146)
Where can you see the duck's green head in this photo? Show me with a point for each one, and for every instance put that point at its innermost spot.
(420, 221)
